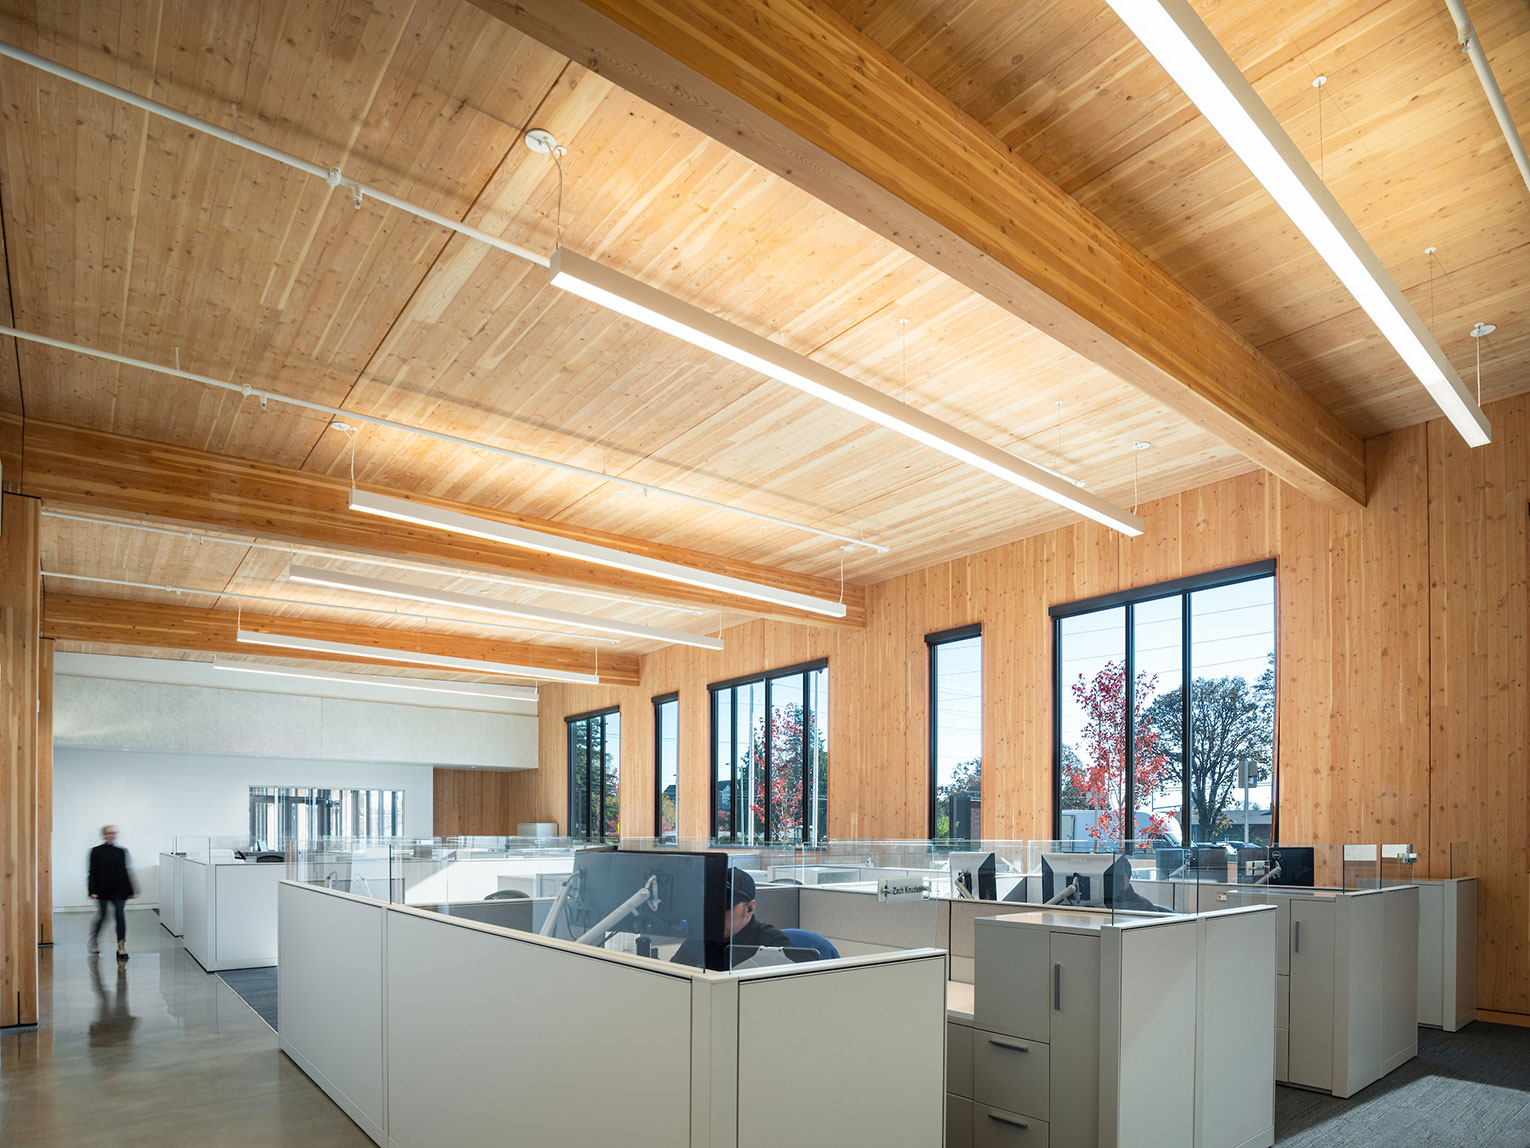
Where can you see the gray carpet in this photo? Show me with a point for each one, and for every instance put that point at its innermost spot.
(1466, 1088)
(257, 988)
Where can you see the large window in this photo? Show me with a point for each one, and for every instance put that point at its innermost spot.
(666, 766)
(594, 765)
(956, 734)
(770, 757)
(301, 815)
(1136, 755)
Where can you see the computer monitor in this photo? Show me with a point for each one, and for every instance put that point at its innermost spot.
(1099, 879)
(1292, 865)
(973, 876)
(657, 895)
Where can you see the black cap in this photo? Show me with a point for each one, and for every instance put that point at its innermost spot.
(742, 885)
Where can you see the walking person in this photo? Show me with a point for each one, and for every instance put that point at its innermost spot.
(110, 883)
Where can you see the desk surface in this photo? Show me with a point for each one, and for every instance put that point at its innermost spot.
(959, 1002)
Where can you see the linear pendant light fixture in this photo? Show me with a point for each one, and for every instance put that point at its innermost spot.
(600, 284)
(1185, 47)
(440, 661)
(341, 581)
(428, 685)
(420, 514)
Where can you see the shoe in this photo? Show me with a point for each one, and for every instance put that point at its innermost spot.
(93, 946)
(122, 953)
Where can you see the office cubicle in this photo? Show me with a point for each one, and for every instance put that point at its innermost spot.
(427, 1028)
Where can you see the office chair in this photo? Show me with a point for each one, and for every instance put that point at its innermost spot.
(807, 939)
(508, 895)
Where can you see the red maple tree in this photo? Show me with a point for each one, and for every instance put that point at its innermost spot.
(1101, 773)
(785, 758)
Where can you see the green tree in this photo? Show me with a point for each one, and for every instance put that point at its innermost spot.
(966, 780)
(1229, 719)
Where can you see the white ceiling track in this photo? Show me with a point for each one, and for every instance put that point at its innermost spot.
(428, 685)
(1471, 43)
(339, 580)
(1186, 49)
(247, 391)
(455, 522)
(413, 657)
(663, 312)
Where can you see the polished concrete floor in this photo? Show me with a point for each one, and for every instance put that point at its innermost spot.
(152, 1051)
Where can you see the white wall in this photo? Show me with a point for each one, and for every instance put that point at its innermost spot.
(150, 794)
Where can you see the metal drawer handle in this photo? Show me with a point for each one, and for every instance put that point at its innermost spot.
(1296, 936)
(1010, 1044)
(1057, 988)
(1010, 1120)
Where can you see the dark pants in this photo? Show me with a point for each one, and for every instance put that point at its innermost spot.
(119, 906)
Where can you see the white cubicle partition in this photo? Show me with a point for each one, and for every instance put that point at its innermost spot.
(230, 913)
(330, 999)
(172, 893)
(492, 1035)
(1447, 953)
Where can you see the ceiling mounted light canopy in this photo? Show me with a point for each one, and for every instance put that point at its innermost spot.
(429, 685)
(1186, 49)
(415, 657)
(611, 289)
(402, 510)
(341, 581)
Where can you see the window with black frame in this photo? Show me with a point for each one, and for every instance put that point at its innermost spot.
(666, 766)
(594, 765)
(770, 757)
(1138, 756)
(956, 734)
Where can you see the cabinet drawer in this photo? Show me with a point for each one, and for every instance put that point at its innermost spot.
(1282, 1055)
(959, 1059)
(995, 1128)
(1012, 981)
(1282, 1001)
(1011, 1073)
(958, 1122)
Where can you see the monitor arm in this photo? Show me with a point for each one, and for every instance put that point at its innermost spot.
(649, 893)
(1269, 875)
(1066, 893)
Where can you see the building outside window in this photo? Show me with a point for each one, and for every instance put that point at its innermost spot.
(300, 816)
(594, 763)
(956, 734)
(666, 766)
(1136, 755)
(770, 757)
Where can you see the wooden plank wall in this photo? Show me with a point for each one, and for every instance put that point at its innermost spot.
(1404, 692)
(45, 791)
(20, 612)
(472, 803)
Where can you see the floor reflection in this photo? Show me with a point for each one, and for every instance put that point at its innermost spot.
(114, 1020)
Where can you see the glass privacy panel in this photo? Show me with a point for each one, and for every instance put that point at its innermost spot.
(956, 738)
(1232, 713)
(1092, 765)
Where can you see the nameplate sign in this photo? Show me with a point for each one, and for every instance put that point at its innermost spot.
(901, 889)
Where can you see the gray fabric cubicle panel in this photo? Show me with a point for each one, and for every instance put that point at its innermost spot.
(861, 917)
(848, 1058)
(495, 1039)
(778, 905)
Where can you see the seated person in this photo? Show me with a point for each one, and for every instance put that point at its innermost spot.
(743, 934)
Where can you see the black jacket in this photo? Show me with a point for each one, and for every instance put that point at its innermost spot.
(109, 878)
(754, 936)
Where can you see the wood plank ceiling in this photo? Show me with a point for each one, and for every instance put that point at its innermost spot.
(127, 233)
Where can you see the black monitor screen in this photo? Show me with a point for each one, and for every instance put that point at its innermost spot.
(664, 896)
(1292, 865)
